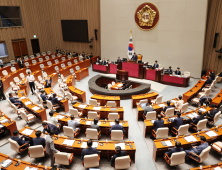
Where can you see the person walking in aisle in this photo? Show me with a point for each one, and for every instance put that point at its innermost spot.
(31, 80)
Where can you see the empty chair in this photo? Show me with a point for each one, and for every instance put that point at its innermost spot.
(17, 81)
(38, 54)
(26, 64)
(186, 73)
(161, 133)
(12, 62)
(117, 135)
(75, 112)
(13, 69)
(71, 98)
(217, 146)
(169, 112)
(63, 65)
(47, 57)
(26, 58)
(91, 161)
(122, 162)
(77, 68)
(69, 63)
(158, 100)
(59, 54)
(63, 58)
(113, 116)
(68, 131)
(93, 115)
(14, 87)
(5, 73)
(16, 110)
(183, 130)
(63, 158)
(50, 106)
(141, 101)
(49, 63)
(215, 119)
(111, 104)
(22, 76)
(56, 61)
(202, 124)
(176, 158)
(39, 86)
(43, 53)
(40, 59)
(28, 70)
(45, 75)
(42, 66)
(72, 71)
(210, 87)
(80, 59)
(205, 93)
(151, 115)
(40, 80)
(69, 56)
(32, 56)
(15, 146)
(113, 83)
(53, 56)
(64, 93)
(92, 133)
(27, 117)
(36, 151)
(63, 78)
(203, 155)
(75, 61)
(61, 84)
(94, 102)
(184, 108)
(48, 52)
(34, 62)
(56, 68)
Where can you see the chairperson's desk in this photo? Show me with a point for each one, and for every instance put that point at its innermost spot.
(7, 122)
(102, 110)
(180, 81)
(107, 148)
(104, 125)
(104, 99)
(79, 93)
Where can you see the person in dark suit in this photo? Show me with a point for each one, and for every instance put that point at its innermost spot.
(117, 126)
(148, 108)
(134, 57)
(20, 63)
(87, 56)
(212, 113)
(14, 100)
(118, 153)
(43, 96)
(208, 81)
(57, 50)
(178, 122)
(97, 61)
(197, 149)
(174, 150)
(177, 72)
(170, 71)
(155, 65)
(220, 74)
(158, 123)
(195, 120)
(95, 126)
(83, 54)
(126, 85)
(55, 101)
(50, 127)
(167, 107)
(74, 54)
(118, 60)
(89, 150)
(2, 95)
(103, 61)
(21, 141)
(38, 140)
(91, 55)
(212, 75)
(206, 100)
(48, 83)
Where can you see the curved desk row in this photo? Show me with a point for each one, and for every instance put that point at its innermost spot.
(79, 93)
(7, 122)
(217, 99)
(209, 167)
(148, 96)
(8, 69)
(102, 99)
(107, 148)
(37, 58)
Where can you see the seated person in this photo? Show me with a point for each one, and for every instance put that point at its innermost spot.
(51, 119)
(95, 126)
(159, 123)
(48, 83)
(38, 140)
(119, 60)
(50, 127)
(55, 101)
(15, 101)
(220, 76)
(195, 120)
(125, 86)
(167, 107)
(212, 75)
(87, 56)
(21, 141)
(177, 72)
(179, 103)
(205, 100)
(148, 108)
(73, 123)
(174, 150)
(103, 62)
(91, 55)
(89, 150)
(43, 96)
(170, 71)
(83, 54)
(208, 81)
(108, 62)
(155, 65)
(197, 149)
(97, 61)
(178, 122)
(118, 153)
(212, 113)
(134, 57)
(117, 126)
(74, 54)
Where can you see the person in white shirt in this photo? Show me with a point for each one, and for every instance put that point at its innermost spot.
(51, 119)
(31, 79)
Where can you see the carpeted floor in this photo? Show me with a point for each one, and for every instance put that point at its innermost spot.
(144, 146)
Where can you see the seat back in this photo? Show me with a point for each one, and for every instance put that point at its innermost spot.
(14, 145)
(69, 63)
(40, 59)
(122, 162)
(39, 78)
(71, 70)
(117, 135)
(26, 58)
(217, 116)
(63, 65)
(77, 68)
(47, 57)
(56, 68)
(49, 104)
(26, 64)
(22, 75)
(186, 73)
(43, 53)
(177, 158)
(202, 124)
(59, 54)
(34, 62)
(113, 116)
(111, 104)
(16, 79)
(32, 56)
(45, 75)
(61, 158)
(13, 69)
(56, 61)
(113, 83)
(159, 99)
(62, 77)
(151, 115)
(170, 112)
(69, 96)
(92, 133)
(91, 161)
(92, 115)
(42, 66)
(48, 52)
(12, 84)
(12, 62)
(36, 151)
(207, 92)
(75, 61)
(80, 59)
(63, 58)
(24, 116)
(53, 56)
(74, 112)
(49, 63)
(184, 107)
(109, 86)
(139, 57)
(183, 130)
(37, 55)
(4, 72)
(92, 102)
(204, 154)
(162, 133)
(69, 56)
(68, 131)
(143, 101)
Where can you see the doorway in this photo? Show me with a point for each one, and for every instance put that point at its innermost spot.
(35, 46)
(19, 47)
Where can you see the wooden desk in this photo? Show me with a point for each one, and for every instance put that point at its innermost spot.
(54, 78)
(148, 126)
(134, 69)
(29, 107)
(208, 167)
(71, 81)
(10, 125)
(103, 99)
(100, 68)
(103, 111)
(117, 86)
(80, 74)
(79, 93)
(172, 80)
(113, 68)
(104, 127)
(159, 149)
(85, 63)
(93, 59)
(122, 75)
(8, 69)
(148, 96)
(63, 102)
(107, 150)
(217, 99)
(152, 74)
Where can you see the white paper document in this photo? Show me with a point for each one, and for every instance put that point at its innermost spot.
(36, 108)
(88, 122)
(211, 133)
(84, 145)
(162, 105)
(122, 145)
(152, 121)
(119, 85)
(59, 117)
(6, 163)
(30, 168)
(168, 143)
(194, 114)
(173, 101)
(78, 120)
(28, 102)
(95, 144)
(217, 168)
(190, 138)
(27, 131)
(4, 121)
(96, 108)
(99, 123)
(59, 98)
(202, 109)
(111, 123)
(22, 97)
(68, 142)
(82, 106)
(1, 126)
(190, 115)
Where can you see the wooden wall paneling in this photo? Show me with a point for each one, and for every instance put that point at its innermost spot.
(16, 49)
(23, 47)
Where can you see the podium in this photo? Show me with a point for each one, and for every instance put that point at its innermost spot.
(122, 75)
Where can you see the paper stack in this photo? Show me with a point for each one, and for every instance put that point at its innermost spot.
(6, 163)
(190, 138)
(78, 120)
(95, 144)
(22, 97)
(36, 108)
(96, 108)
(122, 145)
(27, 131)
(211, 133)
(4, 121)
(120, 85)
(99, 123)
(111, 123)
(88, 123)
(30, 168)
(84, 145)
(82, 106)
(59, 117)
(202, 109)
(162, 105)
(28, 102)
(168, 143)
(68, 142)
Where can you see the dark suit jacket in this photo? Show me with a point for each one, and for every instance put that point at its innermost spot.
(118, 60)
(13, 100)
(20, 63)
(173, 151)
(209, 81)
(148, 109)
(83, 55)
(158, 124)
(91, 56)
(39, 141)
(122, 153)
(48, 83)
(97, 61)
(220, 75)
(178, 122)
(212, 76)
(117, 127)
(212, 113)
(88, 151)
(196, 120)
(43, 97)
(134, 58)
(55, 101)
(50, 128)
(155, 65)
(19, 140)
(95, 127)
(204, 100)
(167, 107)
(103, 62)
(177, 72)
(200, 148)
(170, 71)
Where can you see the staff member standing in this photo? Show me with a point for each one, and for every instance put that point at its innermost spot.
(31, 80)
(2, 96)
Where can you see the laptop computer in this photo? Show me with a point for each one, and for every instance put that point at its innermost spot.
(143, 105)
